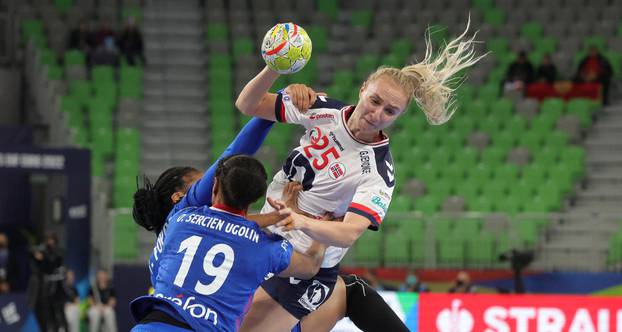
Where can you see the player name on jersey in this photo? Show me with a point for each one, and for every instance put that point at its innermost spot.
(219, 225)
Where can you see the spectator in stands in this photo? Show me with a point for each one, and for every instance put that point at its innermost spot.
(4, 264)
(462, 284)
(102, 300)
(72, 302)
(81, 38)
(106, 54)
(519, 74)
(413, 284)
(131, 42)
(595, 68)
(547, 72)
(104, 32)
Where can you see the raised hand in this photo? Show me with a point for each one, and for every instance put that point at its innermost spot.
(302, 96)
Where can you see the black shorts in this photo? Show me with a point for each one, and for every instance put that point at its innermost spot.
(301, 297)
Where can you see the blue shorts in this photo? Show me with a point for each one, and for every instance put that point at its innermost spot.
(157, 327)
(301, 297)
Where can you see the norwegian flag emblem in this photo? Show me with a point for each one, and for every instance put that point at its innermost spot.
(336, 170)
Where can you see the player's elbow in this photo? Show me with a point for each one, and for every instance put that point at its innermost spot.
(242, 105)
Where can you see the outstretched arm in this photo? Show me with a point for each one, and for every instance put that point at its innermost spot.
(338, 234)
(248, 141)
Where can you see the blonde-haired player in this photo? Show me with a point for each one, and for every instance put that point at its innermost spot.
(345, 167)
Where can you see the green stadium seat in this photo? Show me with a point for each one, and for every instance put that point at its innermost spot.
(582, 108)
(468, 228)
(480, 250)
(440, 189)
(481, 173)
(368, 248)
(599, 41)
(527, 233)
(531, 31)
(490, 125)
(494, 17)
(509, 204)
(131, 11)
(242, 46)
(55, 73)
(217, 31)
(493, 156)
(489, 93)
(47, 57)
(74, 57)
(516, 125)
(552, 105)
(402, 203)
(545, 45)
(498, 46)
(397, 250)
(466, 157)
(451, 250)
(63, 6)
(481, 204)
(401, 47)
(102, 73)
(330, 7)
(361, 17)
(439, 34)
(428, 204)
(477, 109)
(319, 36)
(32, 28)
(344, 79)
(483, 4)
(365, 65)
(392, 60)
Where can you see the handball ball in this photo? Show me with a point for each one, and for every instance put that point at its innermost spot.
(286, 48)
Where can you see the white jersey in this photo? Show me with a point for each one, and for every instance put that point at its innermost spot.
(338, 173)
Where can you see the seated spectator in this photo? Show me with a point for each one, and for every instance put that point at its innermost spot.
(519, 74)
(413, 284)
(104, 32)
(131, 42)
(81, 38)
(595, 68)
(106, 54)
(4, 264)
(72, 302)
(102, 300)
(462, 284)
(547, 72)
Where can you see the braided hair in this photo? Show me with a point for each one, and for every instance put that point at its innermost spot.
(153, 202)
(242, 180)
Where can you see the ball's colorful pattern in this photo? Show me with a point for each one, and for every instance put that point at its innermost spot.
(286, 48)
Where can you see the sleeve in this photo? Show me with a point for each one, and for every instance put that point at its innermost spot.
(285, 111)
(371, 200)
(248, 141)
(281, 252)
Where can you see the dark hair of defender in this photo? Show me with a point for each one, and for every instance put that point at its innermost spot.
(153, 203)
(242, 180)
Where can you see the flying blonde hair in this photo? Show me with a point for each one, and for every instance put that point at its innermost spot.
(428, 80)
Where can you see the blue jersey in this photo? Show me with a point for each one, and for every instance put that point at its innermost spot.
(211, 263)
(248, 141)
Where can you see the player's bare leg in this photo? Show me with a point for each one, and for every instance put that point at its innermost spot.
(329, 313)
(267, 315)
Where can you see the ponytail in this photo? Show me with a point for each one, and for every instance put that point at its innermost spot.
(427, 81)
(153, 202)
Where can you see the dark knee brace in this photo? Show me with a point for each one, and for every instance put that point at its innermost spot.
(367, 309)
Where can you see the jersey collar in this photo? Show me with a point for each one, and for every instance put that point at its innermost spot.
(228, 209)
(346, 113)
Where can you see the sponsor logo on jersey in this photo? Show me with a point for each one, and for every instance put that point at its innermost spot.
(320, 116)
(379, 202)
(336, 170)
(365, 165)
(314, 135)
(314, 296)
(384, 194)
(196, 310)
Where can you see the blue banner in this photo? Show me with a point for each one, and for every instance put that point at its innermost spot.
(15, 316)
